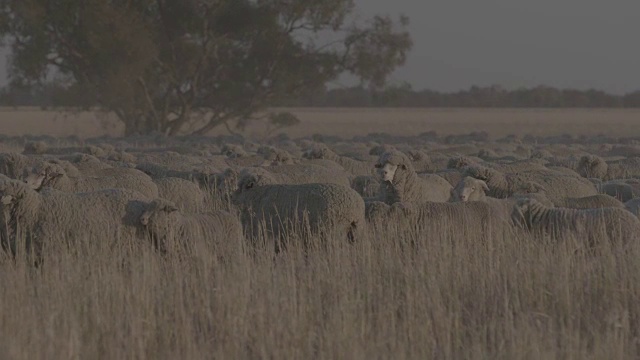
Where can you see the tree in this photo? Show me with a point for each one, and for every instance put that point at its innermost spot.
(163, 65)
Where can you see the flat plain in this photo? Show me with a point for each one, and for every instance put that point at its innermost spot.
(349, 122)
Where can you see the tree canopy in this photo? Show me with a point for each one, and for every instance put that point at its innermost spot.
(175, 66)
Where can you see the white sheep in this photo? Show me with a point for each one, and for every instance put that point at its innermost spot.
(290, 174)
(54, 176)
(355, 167)
(592, 166)
(171, 229)
(326, 207)
(186, 195)
(67, 218)
(401, 183)
(587, 226)
(555, 185)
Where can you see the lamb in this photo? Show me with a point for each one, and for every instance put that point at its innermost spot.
(355, 167)
(172, 229)
(290, 174)
(52, 216)
(400, 182)
(326, 207)
(593, 226)
(592, 166)
(185, 194)
(54, 176)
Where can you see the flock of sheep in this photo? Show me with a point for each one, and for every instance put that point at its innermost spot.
(176, 191)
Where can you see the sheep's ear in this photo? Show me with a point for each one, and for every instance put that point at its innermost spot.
(484, 185)
(6, 199)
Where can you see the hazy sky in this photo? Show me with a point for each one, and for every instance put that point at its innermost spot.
(564, 43)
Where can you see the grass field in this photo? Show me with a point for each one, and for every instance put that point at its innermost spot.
(352, 122)
(399, 292)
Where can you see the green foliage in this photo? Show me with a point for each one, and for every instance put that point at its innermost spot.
(160, 65)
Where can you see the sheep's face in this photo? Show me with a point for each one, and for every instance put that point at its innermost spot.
(520, 215)
(469, 189)
(42, 175)
(316, 152)
(160, 221)
(592, 167)
(387, 171)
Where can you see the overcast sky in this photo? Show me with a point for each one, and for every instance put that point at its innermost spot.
(564, 43)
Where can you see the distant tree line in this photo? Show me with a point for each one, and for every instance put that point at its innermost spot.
(485, 97)
(56, 95)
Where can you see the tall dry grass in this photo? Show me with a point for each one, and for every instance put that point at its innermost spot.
(400, 292)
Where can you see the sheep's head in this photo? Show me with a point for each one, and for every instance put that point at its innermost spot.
(458, 162)
(380, 149)
(43, 175)
(530, 187)
(233, 151)
(275, 156)
(318, 151)
(481, 172)
(591, 166)
(226, 182)
(254, 177)
(161, 221)
(417, 155)
(365, 185)
(12, 164)
(469, 189)
(35, 147)
(390, 162)
(17, 202)
(521, 213)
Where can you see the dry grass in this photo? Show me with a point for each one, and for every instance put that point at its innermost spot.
(352, 122)
(415, 294)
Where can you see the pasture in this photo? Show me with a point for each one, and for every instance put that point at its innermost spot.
(403, 289)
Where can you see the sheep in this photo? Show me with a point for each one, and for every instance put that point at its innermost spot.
(275, 156)
(290, 174)
(589, 225)
(400, 183)
(471, 189)
(592, 166)
(355, 167)
(367, 186)
(618, 189)
(171, 229)
(421, 161)
(185, 194)
(233, 151)
(53, 175)
(40, 217)
(326, 207)
(590, 202)
(469, 220)
(633, 206)
(555, 185)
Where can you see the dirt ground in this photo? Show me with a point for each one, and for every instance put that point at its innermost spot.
(352, 122)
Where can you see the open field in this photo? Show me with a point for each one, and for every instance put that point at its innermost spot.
(85, 276)
(352, 122)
